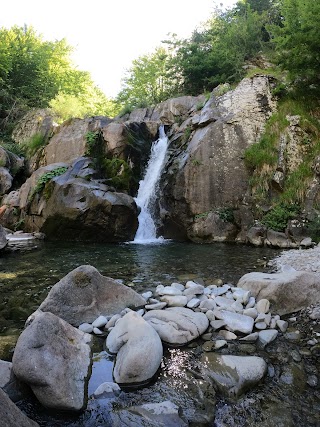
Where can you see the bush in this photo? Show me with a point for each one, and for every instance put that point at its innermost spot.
(277, 218)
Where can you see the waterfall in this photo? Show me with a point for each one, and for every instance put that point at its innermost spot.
(147, 192)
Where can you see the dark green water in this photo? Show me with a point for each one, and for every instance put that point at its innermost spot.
(26, 277)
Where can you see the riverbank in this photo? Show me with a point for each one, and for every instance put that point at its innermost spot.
(299, 259)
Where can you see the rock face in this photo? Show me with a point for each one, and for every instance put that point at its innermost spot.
(233, 375)
(3, 238)
(288, 291)
(54, 359)
(83, 294)
(72, 206)
(177, 325)
(139, 350)
(209, 175)
(10, 414)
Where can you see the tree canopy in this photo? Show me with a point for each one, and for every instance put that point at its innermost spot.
(37, 73)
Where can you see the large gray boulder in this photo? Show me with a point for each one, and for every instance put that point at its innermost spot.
(54, 359)
(138, 347)
(233, 375)
(209, 174)
(83, 294)
(177, 325)
(10, 414)
(76, 207)
(287, 291)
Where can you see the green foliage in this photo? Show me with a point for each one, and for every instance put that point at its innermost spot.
(226, 214)
(46, 178)
(118, 173)
(201, 215)
(13, 148)
(277, 218)
(31, 146)
(149, 80)
(297, 39)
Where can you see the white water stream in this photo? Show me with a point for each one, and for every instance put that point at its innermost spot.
(147, 192)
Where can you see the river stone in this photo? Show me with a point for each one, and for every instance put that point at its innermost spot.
(156, 306)
(237, 322)
(263, 306)
(178, 325)
(86, 327)
(138, 347)
(163, 414)
(99, 322)
(287, 291)
(54, 359)
(10, 414)
(265, 337)
(175, 300)
(107, 389)
(233, 375)
(168, 290)
(83, 294)
(193, 303)
(224, 302)
(3, 238)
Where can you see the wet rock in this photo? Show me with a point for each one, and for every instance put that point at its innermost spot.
(282, 325)
(10, 414)
(227, 335)
(84, 294)
(293, 336)
(54, 359)
(163, 414)
(138, 348)
(107, 389)
(233, 375)
(177, 325)
(251, 337)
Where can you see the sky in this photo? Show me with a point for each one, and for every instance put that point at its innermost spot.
(108, 35)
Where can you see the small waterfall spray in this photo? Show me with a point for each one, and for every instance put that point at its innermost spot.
(147, 192)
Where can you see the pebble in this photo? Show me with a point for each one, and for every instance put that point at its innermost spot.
(293, 336)
(156, 306)
(252, 312)
(193, 303)
(263, 306)
(219, 344)
(97, 331)
(295, 356)
(168, 290)
(260, 325)
(312, 380)
(208, 346)
(266, 337)
(282, 325)
(147, 295)
(227, 335)
(178, 286)
(86, 327)
(217, 324)
(193, 290)
(210, 315)
(251, 302)
(100, 322)
(207, 336)
(251, 337)
(112, 321)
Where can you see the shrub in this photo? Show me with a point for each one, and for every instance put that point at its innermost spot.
(277, 218)
(44, 179)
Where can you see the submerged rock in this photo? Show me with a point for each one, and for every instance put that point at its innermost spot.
(54, 358)
(84, 294)
(233, 375)
(139, 350)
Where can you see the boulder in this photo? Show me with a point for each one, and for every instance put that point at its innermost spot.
(83, 294)
(10, 414)
(54, 359)
(139, 350)
(209, 174)
(279, 240)
(177, 325)
(287, 291)
(3, 238)
(5, 180)
(233, 375)
(9, 382)
(73, 206)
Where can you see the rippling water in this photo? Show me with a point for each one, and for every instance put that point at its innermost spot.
(26, 277)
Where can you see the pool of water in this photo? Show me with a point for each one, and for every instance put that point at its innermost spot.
(26, 277)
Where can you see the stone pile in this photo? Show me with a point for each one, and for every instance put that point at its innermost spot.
(182, 313)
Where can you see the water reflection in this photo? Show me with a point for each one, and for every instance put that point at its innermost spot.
(26, 277)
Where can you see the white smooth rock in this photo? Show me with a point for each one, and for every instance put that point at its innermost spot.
(265, 337)
(193, 303)
(168, 290)
(263, 306)
(156, 306)
(252, 312)
(86, 327)
(100, 322)
(178, 286)
(251, 302)
(237, 322)
(107, 389)
(97, 331)
(175, 300)
(228, 335)
(194, 290)
(251, 337)
(147, 295)
(282, 325)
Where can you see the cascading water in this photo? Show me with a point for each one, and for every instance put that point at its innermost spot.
(147, 192)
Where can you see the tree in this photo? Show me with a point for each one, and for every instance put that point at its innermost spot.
(297, 39)
(148, 81)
